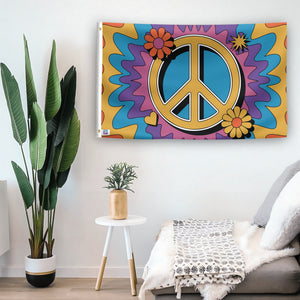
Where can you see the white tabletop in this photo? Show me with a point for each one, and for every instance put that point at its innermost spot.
(130, 221)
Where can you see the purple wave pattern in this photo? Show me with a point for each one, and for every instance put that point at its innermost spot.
(222, 137)
(253, 50)
(184, 28)
(261, 94)
(205, 27)
(137, 100)
(168, 28)
(231, 29)
(135, 111)
(156, 132)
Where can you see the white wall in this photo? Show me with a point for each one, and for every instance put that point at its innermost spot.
(177, 179)
(4, 229)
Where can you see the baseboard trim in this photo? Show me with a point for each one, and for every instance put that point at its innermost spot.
(75, 272)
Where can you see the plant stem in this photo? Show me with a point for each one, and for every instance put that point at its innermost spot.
(43, 198)
(49, 228)
(28, 223)
(26, 212)
(50, 239)
(34, 210)
(53, 218)
(25, 162)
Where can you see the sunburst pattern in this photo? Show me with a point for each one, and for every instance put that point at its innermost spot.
(239, 42)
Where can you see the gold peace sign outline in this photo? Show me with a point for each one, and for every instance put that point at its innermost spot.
(195, 87)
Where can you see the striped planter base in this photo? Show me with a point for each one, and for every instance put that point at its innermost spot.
(40, 272)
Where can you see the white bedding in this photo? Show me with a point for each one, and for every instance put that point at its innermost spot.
(158, 272)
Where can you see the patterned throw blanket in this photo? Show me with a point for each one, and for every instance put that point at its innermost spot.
(206, 253)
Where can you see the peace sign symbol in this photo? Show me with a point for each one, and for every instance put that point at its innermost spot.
(194, 95)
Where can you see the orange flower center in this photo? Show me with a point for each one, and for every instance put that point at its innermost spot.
(158, 43)
(236, 122)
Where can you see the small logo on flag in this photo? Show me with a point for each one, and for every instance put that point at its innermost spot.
(105, 132)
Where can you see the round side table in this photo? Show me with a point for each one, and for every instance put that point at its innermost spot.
(126, 223)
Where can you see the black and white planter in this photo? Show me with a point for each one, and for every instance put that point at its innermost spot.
(40, 272)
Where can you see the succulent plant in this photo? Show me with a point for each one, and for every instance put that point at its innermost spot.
(121, 176)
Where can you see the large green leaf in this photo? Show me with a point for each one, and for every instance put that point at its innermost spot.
(53, 94)
(38, 137)
(24, 185)
(42, 193)
(45, 172)
(13, 100)
(66, 152)
(49, 194)
(52, 124)
(62, 178)
(30, 87)
(68, 90)
(51, 197)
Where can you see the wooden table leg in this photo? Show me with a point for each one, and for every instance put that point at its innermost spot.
(130, 260)
(132, 277)
(135, 278)
(104, 258)
(134, 269)
(100, 274)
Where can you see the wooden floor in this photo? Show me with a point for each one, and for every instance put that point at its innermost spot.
(68, 288)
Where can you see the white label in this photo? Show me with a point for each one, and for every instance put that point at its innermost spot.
(105, 132)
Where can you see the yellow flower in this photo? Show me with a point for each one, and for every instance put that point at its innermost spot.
(237, 123)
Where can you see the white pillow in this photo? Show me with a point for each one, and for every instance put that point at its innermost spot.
(284, 223)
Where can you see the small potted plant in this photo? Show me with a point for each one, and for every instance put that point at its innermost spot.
(121, 177)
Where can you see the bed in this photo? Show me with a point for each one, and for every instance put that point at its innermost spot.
(271, 274)
(268, 245)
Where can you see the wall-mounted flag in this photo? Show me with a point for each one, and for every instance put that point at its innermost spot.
(192, 81)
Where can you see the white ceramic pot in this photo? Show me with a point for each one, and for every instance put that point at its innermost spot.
(40, 272)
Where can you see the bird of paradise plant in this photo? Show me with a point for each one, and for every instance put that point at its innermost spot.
(53, 144)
